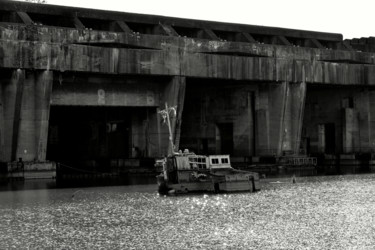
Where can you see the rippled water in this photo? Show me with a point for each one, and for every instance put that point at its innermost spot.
(315, 213)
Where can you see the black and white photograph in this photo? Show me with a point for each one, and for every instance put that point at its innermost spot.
(187, 124)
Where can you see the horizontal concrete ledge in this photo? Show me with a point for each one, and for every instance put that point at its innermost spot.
(31, 166)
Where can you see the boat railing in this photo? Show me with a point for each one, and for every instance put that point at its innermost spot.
(298, 161)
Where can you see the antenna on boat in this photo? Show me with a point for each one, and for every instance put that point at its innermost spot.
(165, 114)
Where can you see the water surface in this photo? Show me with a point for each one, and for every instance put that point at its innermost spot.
(315, 213)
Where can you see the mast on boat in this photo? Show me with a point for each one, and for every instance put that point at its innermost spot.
(165, 113)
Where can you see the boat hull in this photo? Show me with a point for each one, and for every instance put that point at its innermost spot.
(214, 183)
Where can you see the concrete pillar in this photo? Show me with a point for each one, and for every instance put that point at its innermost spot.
(270, 112)
(262, 139)
(293, 118)
(43, 91)
(279, 118)
(26, 146)
(2, 123)
(321, 138)
(362, 107)
(173, 94)
(181, 82)
(11, 108)
(372, 121)
(348, 130)
(251, 135)
(287, 123)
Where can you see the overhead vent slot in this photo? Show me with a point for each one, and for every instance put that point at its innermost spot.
(266, 39)
(9, 17)
(143, 28)
(227, 36)
(186, 32)
(329, 44)
(96, 24)
(296, 41)
(52, 20)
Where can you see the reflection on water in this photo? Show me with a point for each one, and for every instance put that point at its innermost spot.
(129, 180)
(316, 213)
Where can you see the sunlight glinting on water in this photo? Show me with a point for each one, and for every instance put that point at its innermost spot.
(315, 213)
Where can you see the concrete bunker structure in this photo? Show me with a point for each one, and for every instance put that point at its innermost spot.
(84, 86)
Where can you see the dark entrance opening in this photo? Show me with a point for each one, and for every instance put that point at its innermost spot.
(226, 137)
(329, 135)
(89, 137)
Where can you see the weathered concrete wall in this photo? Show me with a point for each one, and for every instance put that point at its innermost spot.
(249, 81)
(99, 91)
(349, 109)
(86, 51)
(366, 44)
(209, 106)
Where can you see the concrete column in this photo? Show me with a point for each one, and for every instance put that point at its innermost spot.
(279, 118)
(293, 118)
(287, 122)
(362, 107)
(298, 114)
(181, 82)
(2, 123)
(43, 91)
(270, 113)
(372, 121)
(321, 138)
(173, 94)
(251, 135)
(348, 129)
(26, 146)
(262, 139)
(11, 105)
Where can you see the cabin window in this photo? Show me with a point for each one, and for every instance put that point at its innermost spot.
(224, 161)
(215, 161)
(197, 162)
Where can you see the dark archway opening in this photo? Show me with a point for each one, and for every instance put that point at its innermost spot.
(90, 137)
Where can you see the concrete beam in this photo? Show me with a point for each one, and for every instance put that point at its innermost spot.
(123, 26)
(314, 43)
(168, 29)
(77, 23)
(281, 40)
(26, 19)
(207, 34)
(245, 37)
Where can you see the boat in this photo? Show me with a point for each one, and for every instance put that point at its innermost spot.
(188, 172)
(183, 172)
